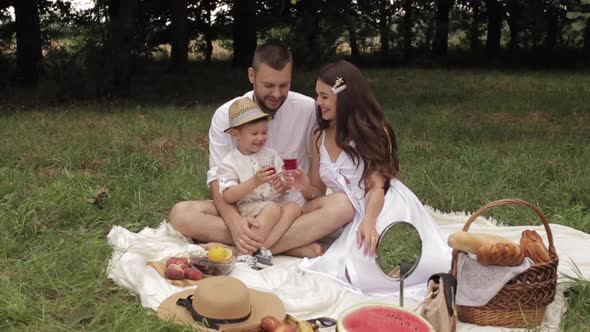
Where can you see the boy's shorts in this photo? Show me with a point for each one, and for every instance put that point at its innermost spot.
(254, 208)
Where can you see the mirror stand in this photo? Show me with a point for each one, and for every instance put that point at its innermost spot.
(399, 249)
(401, 292)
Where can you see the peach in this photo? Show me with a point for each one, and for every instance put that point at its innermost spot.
(270, 323)
(192, 273)
(174, 272)
(177, 260)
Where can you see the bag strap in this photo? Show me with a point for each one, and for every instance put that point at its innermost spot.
(449, 288)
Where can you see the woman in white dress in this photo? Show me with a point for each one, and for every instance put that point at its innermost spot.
(355, 152)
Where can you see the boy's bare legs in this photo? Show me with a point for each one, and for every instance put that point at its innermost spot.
(289, 212)
(267, 219)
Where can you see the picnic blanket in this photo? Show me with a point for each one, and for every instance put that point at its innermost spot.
(310, 295)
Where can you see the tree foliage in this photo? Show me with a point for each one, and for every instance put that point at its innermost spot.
(101, 48)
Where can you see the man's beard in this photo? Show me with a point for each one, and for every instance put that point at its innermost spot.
(261, 103)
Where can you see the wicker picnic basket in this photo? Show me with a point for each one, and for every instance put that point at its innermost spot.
(522, 301)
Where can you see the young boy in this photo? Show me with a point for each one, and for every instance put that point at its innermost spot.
(248, 176)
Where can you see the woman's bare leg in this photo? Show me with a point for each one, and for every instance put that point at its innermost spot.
(321, 217)
(311, 250)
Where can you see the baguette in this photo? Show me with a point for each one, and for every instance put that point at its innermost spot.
(471, 242)
(500, 253)
(533, 247)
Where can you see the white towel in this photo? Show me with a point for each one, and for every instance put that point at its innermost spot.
(477, 284)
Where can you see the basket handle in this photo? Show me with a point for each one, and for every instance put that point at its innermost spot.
(500, 202)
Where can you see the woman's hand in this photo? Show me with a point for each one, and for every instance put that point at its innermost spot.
(300, 179)
(367, 237)
(277, 184)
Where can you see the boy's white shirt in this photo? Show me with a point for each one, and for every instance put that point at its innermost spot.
(289, 131)
(237, 168)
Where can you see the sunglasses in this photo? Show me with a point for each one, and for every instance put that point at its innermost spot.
(323, 321)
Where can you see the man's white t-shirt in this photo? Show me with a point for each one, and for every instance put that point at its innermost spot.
(289, 131)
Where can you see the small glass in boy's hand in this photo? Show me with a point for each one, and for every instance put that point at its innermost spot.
(267, 163)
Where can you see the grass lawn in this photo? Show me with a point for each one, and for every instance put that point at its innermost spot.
(466, 137)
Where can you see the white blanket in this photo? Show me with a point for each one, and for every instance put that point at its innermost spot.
(310, 295)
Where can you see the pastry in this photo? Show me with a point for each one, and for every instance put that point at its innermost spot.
(533, 247)
(470, 242)
(500, 253)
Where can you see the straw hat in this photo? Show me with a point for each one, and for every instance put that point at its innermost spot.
(223, 304)
(244, 110)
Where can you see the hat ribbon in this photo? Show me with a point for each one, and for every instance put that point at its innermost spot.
(212, 323)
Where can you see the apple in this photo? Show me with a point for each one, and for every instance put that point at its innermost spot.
(192, 273)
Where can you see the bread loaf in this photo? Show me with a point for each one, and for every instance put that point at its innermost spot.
(500, 253)
(471, 242)
(533, 247)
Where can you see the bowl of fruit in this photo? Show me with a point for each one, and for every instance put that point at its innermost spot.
(218, 261)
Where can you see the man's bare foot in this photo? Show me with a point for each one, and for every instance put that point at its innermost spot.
(210, 245)
(311, 250)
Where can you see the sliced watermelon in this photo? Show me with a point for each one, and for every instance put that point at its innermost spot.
(376, 317)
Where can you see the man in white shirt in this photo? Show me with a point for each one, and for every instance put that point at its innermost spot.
(290, 131)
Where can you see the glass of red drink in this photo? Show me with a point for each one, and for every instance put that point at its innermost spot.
(267, 162)
(289, 161)
(289, 166)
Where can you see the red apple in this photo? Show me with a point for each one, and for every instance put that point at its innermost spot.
(177, 260)
(174, 272)
(192, 273)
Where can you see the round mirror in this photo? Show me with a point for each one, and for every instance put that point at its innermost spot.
(398, 250)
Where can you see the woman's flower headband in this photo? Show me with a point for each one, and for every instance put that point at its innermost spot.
(339, 85)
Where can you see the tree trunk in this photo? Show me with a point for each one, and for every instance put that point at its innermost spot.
(515, 23)
(474, 43)
(441, 38)
(494, 12)
(350, 22)
(28, 41)
(244, 31)
(312, 20)
(429, 33)
(384, 28)
(354, 46)
(207, 33)
(407, 31)
(122, 14)
(179, 53)
(552, 28)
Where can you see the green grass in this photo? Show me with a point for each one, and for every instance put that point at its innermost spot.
(466, 138)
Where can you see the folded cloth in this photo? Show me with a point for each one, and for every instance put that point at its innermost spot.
(477, 284)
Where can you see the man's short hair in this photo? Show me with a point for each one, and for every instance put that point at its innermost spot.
(273, 54)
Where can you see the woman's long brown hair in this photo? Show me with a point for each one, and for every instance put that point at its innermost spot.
(360, 118)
